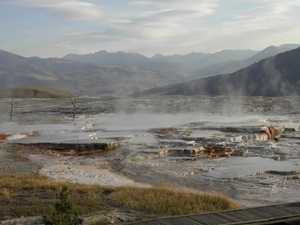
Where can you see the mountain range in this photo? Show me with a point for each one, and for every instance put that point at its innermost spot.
(275, 76)
(195, 64)
(82, 78)
(122, 73)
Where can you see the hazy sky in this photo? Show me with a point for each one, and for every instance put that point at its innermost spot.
(54, 28)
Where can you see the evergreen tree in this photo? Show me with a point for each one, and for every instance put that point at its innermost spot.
(63, 214)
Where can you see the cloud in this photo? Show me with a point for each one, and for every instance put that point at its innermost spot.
(166, 26)
(271, 16)
(268, 24)
(270, 9)
(73, 10)
(167, 9)
(171, 27)
(160, 20)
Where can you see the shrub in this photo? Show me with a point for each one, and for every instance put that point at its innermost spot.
(63, 214)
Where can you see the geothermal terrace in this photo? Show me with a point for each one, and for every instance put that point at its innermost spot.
(211, 144)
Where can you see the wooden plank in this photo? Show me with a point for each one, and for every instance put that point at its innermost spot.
(238, 215)
(259, 215)
(291, 209)
(229, 217)
(200, 220)
(248, 215)
(274, 212)
(212, 217)
(156, 222)
(253, 214)
(177, 221)
(162, 222)
(188, 220)
(207, 219)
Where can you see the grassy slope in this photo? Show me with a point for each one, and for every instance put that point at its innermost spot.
(32, 92)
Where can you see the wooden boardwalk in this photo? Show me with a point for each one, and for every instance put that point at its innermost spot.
(260, 215)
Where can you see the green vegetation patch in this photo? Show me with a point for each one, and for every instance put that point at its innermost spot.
(33, 92)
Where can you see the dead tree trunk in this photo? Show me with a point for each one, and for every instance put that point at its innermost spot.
(11, 109)
(73, 101)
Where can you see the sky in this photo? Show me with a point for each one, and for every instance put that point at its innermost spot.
(55, 28)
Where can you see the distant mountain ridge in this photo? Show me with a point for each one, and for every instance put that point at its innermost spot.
(83, 78)
(275, 76)
(119, 58)
(159, 61)
(135, 73)
(234, 65)
(195, 64)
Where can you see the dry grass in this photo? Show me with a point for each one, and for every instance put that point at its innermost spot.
(164, 201)
(31, 195)
(4, 194)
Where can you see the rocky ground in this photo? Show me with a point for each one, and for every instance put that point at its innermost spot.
(11, 162)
